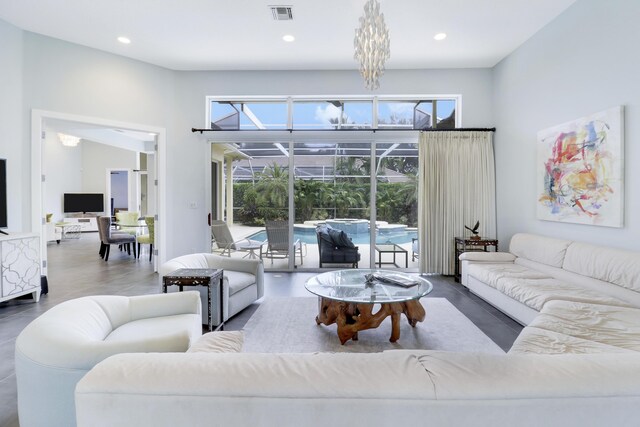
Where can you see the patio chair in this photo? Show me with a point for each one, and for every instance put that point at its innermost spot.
(335, 247)
(277, 245)
(415, 249)
(225, 243)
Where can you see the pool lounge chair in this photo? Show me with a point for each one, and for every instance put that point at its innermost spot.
(277, 245)
(224, 240)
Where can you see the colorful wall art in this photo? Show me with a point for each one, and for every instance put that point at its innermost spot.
(581, 169)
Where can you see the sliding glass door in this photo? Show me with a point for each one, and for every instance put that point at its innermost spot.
(282, 192)
(396, 172)
(332, 188)
(260, 201)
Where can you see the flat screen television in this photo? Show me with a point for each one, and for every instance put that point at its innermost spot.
(3, 193)
(83, 202)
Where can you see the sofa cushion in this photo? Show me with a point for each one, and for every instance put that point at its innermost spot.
(541, 341)
(481, 256)
(238, 280)
(539, 248)
(169, 333)
(536, 292)
(490, 273)
(461, 375)
(219, 342)
(607, 264)
(610, 325)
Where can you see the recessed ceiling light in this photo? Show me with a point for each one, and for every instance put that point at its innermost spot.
(288, 38)
(440, 36)
(124, 40)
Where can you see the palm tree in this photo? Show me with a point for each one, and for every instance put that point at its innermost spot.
(350, 166)
(408, 193)
(308, 195)
(273, 192)
(343, 197)
(386, 203)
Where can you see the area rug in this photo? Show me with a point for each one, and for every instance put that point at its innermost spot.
(287, 325)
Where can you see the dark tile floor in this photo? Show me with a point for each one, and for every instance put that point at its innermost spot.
(75, 270)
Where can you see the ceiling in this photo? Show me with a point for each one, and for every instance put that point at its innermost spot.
(120, 138)
(242, 35)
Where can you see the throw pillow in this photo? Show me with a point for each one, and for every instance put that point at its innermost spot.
(49, 217)
(219, 342)
(341, 239)
(323, 233)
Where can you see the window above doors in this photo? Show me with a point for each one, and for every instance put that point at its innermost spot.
(334, 113)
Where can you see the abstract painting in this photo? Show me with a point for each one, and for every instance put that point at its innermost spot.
(580, 170)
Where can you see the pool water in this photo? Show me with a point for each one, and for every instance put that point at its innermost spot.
(398, 237)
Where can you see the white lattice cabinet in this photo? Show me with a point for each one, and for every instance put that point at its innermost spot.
(20, 265)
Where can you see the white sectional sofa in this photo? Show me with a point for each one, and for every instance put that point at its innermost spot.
(540, 269)
(58, 348)
(576, 364)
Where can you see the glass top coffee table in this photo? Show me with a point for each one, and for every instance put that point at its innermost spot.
(347, 298)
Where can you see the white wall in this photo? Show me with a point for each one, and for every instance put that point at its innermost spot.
(62, 167)
(67, 78)
(14, 145)
(585, 61)
(96, 159)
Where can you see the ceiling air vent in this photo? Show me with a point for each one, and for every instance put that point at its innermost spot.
(281, 13)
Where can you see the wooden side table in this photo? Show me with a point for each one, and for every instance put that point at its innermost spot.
(466, 244)
(209, 277)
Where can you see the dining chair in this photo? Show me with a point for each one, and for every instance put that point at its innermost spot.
(128, 221)
(147, 239)
(109, 237)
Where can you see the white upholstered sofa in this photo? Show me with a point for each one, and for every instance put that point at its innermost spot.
(576, 364)
(243, 281)
(58, 348)
(540, 269)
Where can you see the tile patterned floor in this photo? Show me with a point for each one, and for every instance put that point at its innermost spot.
(76, 270)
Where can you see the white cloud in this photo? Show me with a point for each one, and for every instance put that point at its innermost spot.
(401, 109)
(324, 115)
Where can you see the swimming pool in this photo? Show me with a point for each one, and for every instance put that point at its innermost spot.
(398, 237)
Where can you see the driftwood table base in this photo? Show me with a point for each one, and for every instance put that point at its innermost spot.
(353, 317)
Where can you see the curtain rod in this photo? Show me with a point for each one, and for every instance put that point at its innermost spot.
(194, 130)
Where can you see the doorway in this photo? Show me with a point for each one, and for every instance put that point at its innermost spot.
(118, 191)
(154, 145)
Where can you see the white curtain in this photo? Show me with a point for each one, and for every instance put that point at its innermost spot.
(456, 188)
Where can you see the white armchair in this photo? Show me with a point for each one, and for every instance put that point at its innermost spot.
(58, 348)
(243, 281)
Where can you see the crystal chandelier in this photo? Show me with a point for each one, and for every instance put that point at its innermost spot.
(372, 44)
